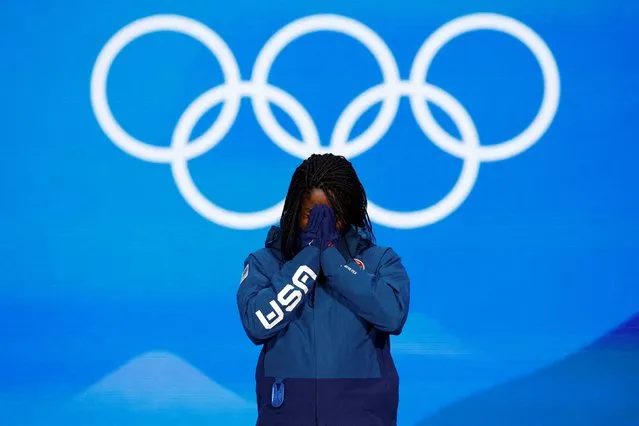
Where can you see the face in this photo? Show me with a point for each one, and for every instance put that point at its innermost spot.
(317, 196)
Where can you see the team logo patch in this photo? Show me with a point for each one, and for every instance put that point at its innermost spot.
(244, 273)
(360, 263)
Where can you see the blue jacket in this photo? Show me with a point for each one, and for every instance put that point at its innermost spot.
(325, 321)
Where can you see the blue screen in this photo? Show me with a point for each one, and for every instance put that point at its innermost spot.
(149, 146)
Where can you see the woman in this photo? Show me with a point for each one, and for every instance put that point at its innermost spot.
(323, 300)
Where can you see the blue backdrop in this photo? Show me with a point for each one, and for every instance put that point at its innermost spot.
(118, 277)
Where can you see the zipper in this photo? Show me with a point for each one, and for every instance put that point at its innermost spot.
(311, 297)
(277, 393)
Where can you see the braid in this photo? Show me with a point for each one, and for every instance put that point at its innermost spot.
(335, 176)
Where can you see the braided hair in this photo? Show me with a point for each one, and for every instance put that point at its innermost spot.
(335, 176)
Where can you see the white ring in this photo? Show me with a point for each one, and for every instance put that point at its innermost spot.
(470, 138)
(311, 24)
(121, 39)
(261, 94)
(487, 21)
(182, 134)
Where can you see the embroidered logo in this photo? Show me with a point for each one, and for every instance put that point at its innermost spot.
(244, 273)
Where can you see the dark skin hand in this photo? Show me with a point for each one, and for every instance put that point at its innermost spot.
(317, 196)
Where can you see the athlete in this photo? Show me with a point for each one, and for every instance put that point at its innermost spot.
(323, 299)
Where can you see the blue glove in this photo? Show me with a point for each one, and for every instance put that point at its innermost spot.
(322, 230)
(311, 235)
(329, 234)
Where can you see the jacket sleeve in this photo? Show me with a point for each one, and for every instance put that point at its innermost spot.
(267, 305)
(381, 298)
